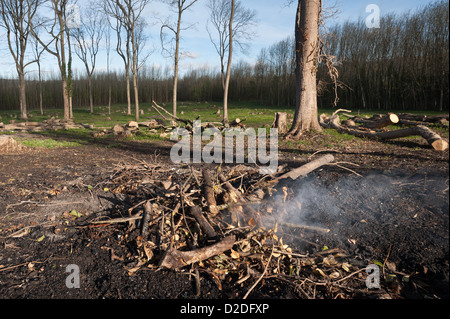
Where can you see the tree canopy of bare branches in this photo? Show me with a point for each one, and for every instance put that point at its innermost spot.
(17, 17)
(231, 23)
(180, 7)
(128, 12)
(88, 37)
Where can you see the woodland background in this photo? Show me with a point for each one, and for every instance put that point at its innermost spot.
(402, 66)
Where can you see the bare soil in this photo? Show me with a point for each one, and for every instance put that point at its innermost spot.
(394, 212)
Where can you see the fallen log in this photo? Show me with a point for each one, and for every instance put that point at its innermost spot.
(306, 169)
(237, 122)
(175, 259)
(158, 108)
(423, 118)
(381, 122)
(431, 137)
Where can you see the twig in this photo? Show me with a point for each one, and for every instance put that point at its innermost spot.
(389, 252)
(351, 275)
(346, 168)
(148, 209)
(261, 277)
(117, 220)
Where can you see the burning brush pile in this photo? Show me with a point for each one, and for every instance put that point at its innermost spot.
(221, 223)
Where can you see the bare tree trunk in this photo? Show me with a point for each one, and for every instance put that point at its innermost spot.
(23, 97)
(136, 96)
(306, 38)
(135, 86)
(230, 57)
(91, 98)
(127, 76)
(41, 106)
(177, 53)
(66, 99)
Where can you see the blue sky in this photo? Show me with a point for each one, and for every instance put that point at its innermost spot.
(275, 21)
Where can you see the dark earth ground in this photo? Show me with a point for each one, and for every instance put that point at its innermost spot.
(397, 213)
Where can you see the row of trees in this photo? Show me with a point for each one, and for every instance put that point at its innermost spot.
(54, 33)
(403, 64)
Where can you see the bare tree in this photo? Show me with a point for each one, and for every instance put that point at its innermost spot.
(108, 62)
(37, 54)
(17, 16)
(123, 39)
(307, 52)
(181, 6)
(56, 28)
(129, 12)
(88, 38)
(232, 23)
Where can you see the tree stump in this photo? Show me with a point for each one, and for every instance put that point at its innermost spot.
(280, 122)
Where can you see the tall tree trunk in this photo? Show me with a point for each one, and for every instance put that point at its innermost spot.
(306, 38)
(91, 98)
(23, 97)
(135, 86)
(177, 53)
(41, 106)
(230, 56)
(127, 76)
(65, 99)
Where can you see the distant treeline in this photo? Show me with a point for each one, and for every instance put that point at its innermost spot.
(402, 65)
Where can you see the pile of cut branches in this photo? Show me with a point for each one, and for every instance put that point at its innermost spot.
(220, 222)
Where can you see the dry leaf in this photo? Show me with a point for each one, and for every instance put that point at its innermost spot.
(335, 275)
(320, 272)
(252, 222)
(329, 261)
(346, 267)
(234, 254)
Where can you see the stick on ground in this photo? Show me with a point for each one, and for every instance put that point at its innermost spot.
(175, 259)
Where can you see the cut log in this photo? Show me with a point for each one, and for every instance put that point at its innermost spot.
(431, 137)
(382, 121)
(204, 224)
(280, 122)
(307, 168)
(208, 191)
(175, 259)
(423, 118)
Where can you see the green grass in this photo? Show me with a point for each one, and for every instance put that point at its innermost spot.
(47, 143)
(255, 114)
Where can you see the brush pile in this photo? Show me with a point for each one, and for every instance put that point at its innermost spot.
(220, 223)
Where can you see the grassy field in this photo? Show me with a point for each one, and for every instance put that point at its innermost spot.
(255, 115)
